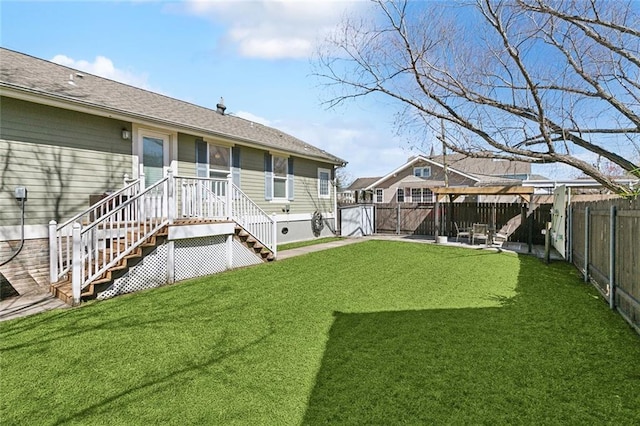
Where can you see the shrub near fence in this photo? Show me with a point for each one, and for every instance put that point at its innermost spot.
(604, 244)
(419, 219)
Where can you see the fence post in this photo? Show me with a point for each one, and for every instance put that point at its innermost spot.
(53, 251)
(398, 216)
(586, 244)
(569, 232)
(612, 257)
(76, 263)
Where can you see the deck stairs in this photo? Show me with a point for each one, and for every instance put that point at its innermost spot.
(102, 243)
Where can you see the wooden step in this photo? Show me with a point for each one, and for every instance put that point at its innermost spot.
(63, 289)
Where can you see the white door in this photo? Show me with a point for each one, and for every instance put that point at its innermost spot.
(154, 156)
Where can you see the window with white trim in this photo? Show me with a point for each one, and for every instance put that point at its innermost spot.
(324, 187)
(423, 172)
(279, 177)
(400, 195)
(421, 195)
(219, 161)
(379, 195)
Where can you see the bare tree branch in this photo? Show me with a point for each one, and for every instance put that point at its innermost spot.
(525, 80)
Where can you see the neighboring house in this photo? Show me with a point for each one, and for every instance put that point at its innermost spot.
(414, 181)
(71, 139)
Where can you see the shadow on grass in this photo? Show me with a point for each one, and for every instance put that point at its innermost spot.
(543, 357)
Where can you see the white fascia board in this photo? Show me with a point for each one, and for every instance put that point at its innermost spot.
(48, 99)
(414, 161)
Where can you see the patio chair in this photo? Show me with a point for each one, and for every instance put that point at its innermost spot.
(502, 235)
(479, 231)
(464, 232)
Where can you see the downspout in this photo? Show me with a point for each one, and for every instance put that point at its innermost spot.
(20, 194)
(335, 201)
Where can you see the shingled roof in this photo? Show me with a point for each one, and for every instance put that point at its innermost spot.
(36, 76)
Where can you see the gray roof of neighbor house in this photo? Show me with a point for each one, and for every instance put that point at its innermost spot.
(361, 183)
(484, 166)
(31, 75)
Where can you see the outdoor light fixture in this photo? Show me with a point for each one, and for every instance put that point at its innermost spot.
(125, 134)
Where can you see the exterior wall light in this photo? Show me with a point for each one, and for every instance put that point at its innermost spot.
(125, 134)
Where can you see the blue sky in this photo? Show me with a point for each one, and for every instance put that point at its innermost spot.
(255, 54)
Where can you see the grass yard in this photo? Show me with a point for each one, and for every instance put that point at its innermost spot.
(378, 332)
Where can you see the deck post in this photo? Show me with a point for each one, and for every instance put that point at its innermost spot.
(171, 196)
(274, 243)
(53, 251)
(76, 263)
(229, 249)
(229, 194)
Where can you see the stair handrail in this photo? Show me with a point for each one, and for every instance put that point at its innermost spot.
(138, 217)
(60, 235)
(252, 218)
(103, 202)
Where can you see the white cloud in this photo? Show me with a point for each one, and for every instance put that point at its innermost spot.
(104, 67)
(369, 150)
(252, 117)
(273, 29)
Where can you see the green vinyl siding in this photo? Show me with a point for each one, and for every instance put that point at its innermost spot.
(60, 156)
(186, 155)
(305, 184)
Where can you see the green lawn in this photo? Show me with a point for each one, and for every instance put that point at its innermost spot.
(373, 333)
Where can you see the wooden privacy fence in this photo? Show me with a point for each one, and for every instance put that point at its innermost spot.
(419, 219)
(604, 244)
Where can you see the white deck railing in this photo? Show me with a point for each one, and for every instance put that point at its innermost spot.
(60, 241)
(253, 219)
(201, 198)
(100, 237)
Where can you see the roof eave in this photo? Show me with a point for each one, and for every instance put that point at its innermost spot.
(65, 102)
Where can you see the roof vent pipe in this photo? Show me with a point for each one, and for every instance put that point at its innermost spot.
(220, 106)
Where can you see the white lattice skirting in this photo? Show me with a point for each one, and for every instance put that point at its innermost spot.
(194, 257)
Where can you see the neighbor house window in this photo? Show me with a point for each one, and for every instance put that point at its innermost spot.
(416, 195)
(423, 172)
(279, 177)
(421, 195)
(379, 195)
(324, 189)
(400, 195)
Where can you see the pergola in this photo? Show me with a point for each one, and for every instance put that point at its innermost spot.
(453, 192)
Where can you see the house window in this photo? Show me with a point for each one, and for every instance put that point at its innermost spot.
(416, 195)
(379, 195)
(279, 177)
(421, 195)
(400, 195)
(423, 172)
(219, 161)
(324, 191)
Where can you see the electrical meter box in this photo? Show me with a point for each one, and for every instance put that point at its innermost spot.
(21, 193)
